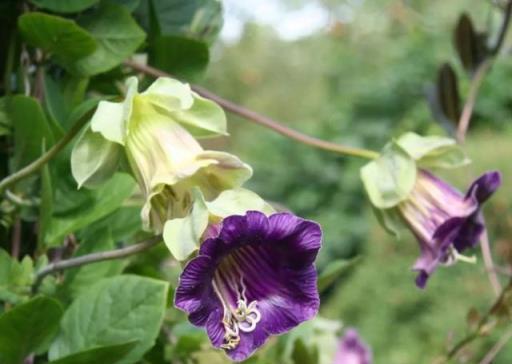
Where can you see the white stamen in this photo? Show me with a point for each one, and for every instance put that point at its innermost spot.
(243, 318)
(454, 256)
(466, 259)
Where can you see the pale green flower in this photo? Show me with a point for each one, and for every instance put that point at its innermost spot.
(157, 129)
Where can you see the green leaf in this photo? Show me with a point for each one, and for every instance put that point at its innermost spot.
(199, 19)
(433, 151)
(94, 159)
(24, 328)
(105, 200)
(117, 36)
(31, 128)
(113, 311)
(74, 91)
(183, 57)
(57, 36)
(389, 179)
(63, 98)
(78, 279)
(182, 236)
(333, 271)
(471, 46)
(15, 278)
(123, 224)
(446, 102)
(237, 202)
(65, 6)
(54, 102)
(104, 355)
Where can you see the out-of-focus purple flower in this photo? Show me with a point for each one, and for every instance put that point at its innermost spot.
(253, 277)
(444, 221)
(352, 350)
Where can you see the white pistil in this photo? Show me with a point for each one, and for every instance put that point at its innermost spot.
(243, 318)
(454, 256)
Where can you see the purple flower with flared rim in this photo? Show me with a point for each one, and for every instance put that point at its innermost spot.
(254, 277)
(352, 350)
(444, 221)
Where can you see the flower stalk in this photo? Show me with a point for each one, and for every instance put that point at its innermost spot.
(46, 157)
(479, 76)
(262, 119)
(94, 258)
(482, 324)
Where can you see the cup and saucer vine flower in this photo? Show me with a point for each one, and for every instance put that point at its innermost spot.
(352, 350)
(154, 134)
(403, 190)
(253, 277)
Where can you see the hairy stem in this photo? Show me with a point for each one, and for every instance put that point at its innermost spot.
(491, 355)
(46, 157)
(94, 258)
(463, 126)
(467, 111)
(484, 321)
(504, 28)
(460, 345)
(485, 246)
(262, 119)
(480, 74)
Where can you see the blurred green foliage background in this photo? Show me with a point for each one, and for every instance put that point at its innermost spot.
(362, 82)
(355, 72)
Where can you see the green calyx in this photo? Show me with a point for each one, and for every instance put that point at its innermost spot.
(183, 235)
(390, 178)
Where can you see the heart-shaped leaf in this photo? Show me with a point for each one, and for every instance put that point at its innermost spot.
(57, 36)
(114, 311)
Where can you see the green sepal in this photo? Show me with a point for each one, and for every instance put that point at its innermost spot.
(94, 159)
(433, 151)
(237, 202)
(183, 235)
(390, 178)
(389, 219)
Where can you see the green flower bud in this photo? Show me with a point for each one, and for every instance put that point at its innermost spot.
(158, 129)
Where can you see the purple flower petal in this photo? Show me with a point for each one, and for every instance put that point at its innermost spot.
(188, 294)
(444, 220)
(470, 232)
(352, 350)
(253, 277)
(484, 186)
